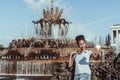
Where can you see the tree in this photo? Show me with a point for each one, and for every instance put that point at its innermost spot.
(100, 41)
(108, 40)
(1, 46)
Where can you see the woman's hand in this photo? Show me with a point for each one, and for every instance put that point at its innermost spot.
(97, 51)
(71, 60)
(74, 52)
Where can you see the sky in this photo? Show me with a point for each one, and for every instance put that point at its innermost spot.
(93, 18)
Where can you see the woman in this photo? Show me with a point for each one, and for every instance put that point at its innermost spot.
(80, 59)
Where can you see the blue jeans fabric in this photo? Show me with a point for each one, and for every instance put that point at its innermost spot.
(82, 76)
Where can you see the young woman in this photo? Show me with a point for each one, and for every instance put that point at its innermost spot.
(80, 59)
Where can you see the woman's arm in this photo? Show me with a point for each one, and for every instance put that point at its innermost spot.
(71, 59)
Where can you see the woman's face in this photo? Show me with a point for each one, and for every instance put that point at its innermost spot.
(82, 44)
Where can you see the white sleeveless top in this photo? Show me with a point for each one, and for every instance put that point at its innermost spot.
(82, 62)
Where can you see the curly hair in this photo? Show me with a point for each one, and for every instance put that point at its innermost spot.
(78, 38)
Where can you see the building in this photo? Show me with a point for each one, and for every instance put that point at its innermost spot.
(115, 33)
(115, 37)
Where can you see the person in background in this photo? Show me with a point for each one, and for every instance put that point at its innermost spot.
(80, 59)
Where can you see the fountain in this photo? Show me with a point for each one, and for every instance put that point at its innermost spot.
(50, 21)
(44, 57)
(37, 56)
